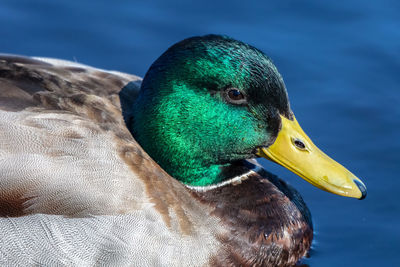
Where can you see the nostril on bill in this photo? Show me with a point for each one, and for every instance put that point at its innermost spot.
(299, 144)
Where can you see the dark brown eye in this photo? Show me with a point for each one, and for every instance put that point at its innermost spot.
(235, 94)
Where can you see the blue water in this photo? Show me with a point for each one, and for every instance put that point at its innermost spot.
(340, 61)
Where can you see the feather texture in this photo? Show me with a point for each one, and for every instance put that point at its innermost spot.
(77, 190)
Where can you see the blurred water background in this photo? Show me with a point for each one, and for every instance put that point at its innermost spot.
(340, 61)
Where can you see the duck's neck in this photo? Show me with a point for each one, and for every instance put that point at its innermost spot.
(212, 175)
(190, 143)
(190, 168)
(185, 162)
(192, 173)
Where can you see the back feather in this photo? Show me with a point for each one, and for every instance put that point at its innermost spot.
(75, 187)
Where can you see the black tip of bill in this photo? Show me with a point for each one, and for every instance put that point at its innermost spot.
(362, 188)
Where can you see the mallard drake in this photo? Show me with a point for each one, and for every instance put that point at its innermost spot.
(102, 168)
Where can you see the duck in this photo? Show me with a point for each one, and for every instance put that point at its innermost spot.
(102, 167)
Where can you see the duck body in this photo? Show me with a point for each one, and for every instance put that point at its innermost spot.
(76, 189)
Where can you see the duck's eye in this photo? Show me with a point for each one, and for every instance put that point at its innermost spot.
(235, 96)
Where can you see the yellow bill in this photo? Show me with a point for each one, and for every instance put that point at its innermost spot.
(294, 150)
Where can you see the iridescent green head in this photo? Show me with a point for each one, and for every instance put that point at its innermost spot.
(208, 102)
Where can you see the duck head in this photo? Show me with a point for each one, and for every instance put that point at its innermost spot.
(211, 101)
